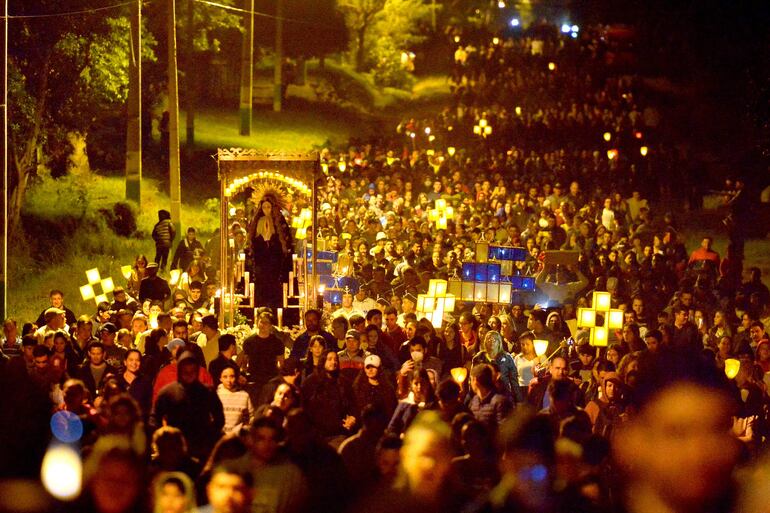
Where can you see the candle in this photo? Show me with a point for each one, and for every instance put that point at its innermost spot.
(246, 284)
(285, 298)
(255, 317)
(251, 291)
(280, 317)
(291, 284)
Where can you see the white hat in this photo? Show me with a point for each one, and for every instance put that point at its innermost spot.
(381, 236)
(372, 359)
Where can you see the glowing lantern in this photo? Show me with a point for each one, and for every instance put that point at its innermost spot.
(607, 136)
(552, 66)
(541, 346)
(732, 366)
(643, 150)
(459, 374)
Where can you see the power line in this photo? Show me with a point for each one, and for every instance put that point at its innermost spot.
(255, 13)
(67, 13)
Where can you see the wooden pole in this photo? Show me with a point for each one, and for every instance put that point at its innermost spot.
(247, 69)
(173, 123)
(134, 108)
(278, 70)
(190, 83)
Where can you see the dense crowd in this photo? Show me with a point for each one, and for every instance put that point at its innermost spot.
(369, 406)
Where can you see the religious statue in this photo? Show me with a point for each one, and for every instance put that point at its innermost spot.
(271, 247)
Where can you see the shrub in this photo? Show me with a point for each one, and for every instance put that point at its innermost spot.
(121, 219)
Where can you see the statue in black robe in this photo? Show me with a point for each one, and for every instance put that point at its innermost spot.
(271, 248)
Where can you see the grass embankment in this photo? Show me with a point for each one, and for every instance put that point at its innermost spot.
(67, 235)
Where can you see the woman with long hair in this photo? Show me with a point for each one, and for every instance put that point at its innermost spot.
(196, 271)
(138, 272)
(468, 332)
(313, 360)
(493, 352)
(421, 397)
(450, 349)
(138, 385)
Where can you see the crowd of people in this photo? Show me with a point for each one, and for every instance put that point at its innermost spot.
(370, 406)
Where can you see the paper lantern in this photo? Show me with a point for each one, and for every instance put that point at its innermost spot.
(505, 293)
(87, 292)
(586, 318)
(732, 366)
(125, 270)
(482, 252)
(541, 346)
(459, 374)
(615, 321)
(602, 301)
(599, 336)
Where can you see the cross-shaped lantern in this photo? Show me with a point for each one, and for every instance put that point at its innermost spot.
(301, 223)
(436, 302)
(441, 214)
(94, 278)
(600, 318)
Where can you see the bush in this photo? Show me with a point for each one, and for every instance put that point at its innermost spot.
(121, 219)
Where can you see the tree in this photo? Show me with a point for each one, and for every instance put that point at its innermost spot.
(359, 16)
(64, 77)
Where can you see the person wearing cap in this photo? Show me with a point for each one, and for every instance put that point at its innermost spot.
(153, 287)
(191, 406)
(54, 321)
(122, 301)
(114, 354)
(56, 297)
(352, 357)
(373, 388)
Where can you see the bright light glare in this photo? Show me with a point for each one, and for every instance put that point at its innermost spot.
(575, 28)
(565, 28)
(62, 472)
(501, 4)
(574, 35)
(515, 22)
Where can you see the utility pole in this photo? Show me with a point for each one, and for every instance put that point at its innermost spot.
(247, 68)
(134, 104)
(278, 56)
(175, 191)
(4, 270)
(190, 83)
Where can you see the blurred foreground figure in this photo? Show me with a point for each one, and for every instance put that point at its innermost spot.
(677, 455)
(423, 484)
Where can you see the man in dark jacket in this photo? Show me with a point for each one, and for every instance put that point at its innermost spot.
(185, 251)
(190, 406)
(163, 234)
(153, 287)
(95, 370)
